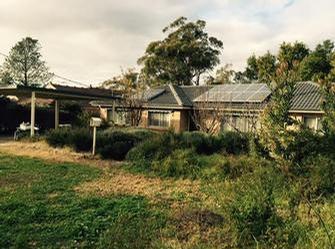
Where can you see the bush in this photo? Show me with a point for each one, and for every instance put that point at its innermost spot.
(181, 163)
(234, 142)
(253, 207)
(320, 179)
(58, 138)
(115, 145)
(81, 139)
(232, 167)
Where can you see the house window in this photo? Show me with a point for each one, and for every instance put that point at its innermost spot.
(121, 117)
(159, 119)
(313, 123)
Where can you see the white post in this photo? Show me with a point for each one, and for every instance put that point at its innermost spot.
(56, 114)
(94, 139)
(32, 114)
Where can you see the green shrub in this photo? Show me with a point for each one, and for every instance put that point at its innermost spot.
(234, 142)
(115, 145)
(80, 139)
(229, 167)
(157, 148)
(58, 138)
(321, 178)
(202, 143)
(253, 207)
(181, 163)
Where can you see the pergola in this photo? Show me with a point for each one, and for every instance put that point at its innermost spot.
(57, 93)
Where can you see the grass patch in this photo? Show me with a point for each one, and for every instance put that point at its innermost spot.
(40, 208)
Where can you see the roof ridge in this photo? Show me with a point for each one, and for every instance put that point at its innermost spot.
(175, 95)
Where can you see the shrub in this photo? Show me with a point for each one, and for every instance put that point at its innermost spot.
(58, 138)
(81, 139)
(202, 143)
(230, 167)
(321, 177)
(253, 207)
(158, 147)
(115, 145)
(181, 163)
(234, 142)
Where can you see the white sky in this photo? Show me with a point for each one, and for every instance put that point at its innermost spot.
(90, 41)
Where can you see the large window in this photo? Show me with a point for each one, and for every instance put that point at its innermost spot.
(159, 118)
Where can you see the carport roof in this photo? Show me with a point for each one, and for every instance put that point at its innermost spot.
(53, 91)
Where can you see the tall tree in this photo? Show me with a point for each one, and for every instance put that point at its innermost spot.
(24, 65)
(183, 56)
(292, 53)
(317, 65)
(251, 71)
(266, 66)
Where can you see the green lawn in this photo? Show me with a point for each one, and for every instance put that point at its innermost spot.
(39, 208)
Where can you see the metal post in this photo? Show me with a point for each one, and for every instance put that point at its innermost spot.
(94, 139)
(32, 114)
(56, 114)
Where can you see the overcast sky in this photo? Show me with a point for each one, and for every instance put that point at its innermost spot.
(90, 41)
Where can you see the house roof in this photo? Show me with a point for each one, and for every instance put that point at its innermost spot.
(307, 97)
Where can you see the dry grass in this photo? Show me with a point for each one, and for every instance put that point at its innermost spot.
(42, 150)
(156, 189)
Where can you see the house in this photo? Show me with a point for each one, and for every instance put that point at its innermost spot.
(176, 107)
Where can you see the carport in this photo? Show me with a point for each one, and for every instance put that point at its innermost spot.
(57, 93)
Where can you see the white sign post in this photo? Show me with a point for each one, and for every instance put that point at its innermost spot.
(95, 122)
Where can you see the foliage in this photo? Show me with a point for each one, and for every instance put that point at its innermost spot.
(80, 139)
(317, 65)
(266, 65)
(115, 145)
(328, 106)
(318, 178)
(180, 163)
(24, 65)
(292, 54)
(274, 135)
(183, 56)
(251, 71)
(253, 208)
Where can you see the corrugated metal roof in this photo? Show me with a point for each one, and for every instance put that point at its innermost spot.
(307, 97)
